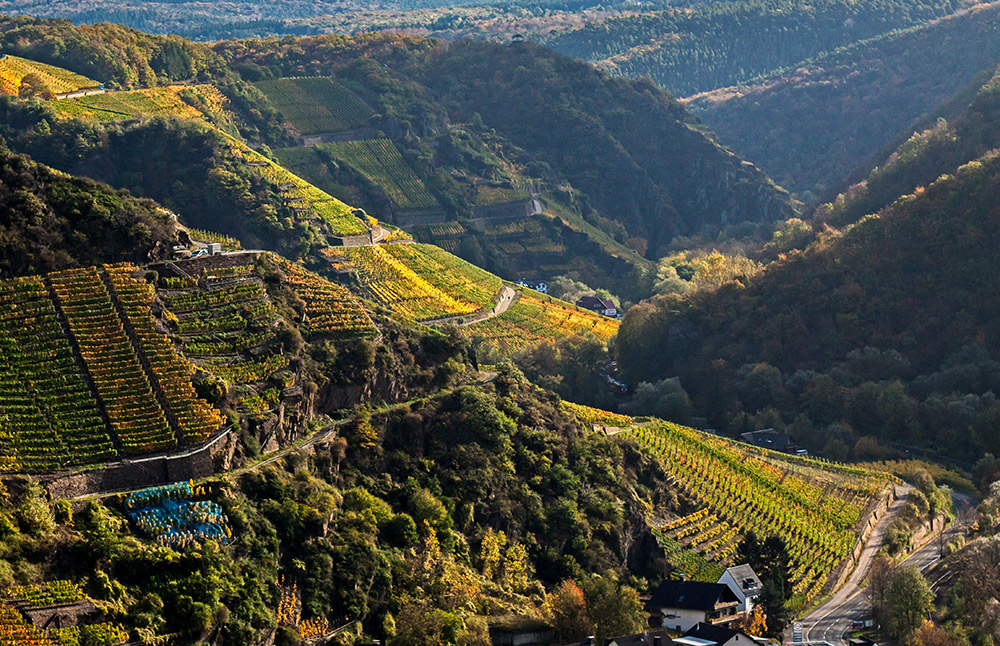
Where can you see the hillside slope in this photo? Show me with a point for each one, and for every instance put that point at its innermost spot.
(630, 148)
(51, 221)
(830, 114)
(962, 129)
(402, 145)
(875, 332)
(705, 46)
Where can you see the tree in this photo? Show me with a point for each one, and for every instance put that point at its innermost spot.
(613, 608)
(910, 600)
(877, 592)
(567, 608)
(930, 634)
(976, 569)
(32, 84)
(769, 558)
(754, 623)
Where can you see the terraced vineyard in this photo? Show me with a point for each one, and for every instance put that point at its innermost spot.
(535, 318)
(14, 68)
(815, 506)
(598, 417)
(306, 199)
(192, 417)
(45, 401)
(520, 227)
(202, 102)
(316, 104)
(499, 195)
(228, 243)
(45, 594)
(220, 313)
(84, 374)
(417, 281)
(224, 321)
(306, 162)
(380, 162)
(330, 309)
(16, 630)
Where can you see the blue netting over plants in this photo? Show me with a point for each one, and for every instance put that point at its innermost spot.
(155, 495)
(165, 514)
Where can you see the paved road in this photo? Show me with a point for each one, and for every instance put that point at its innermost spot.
(832, 621)
(507, 297)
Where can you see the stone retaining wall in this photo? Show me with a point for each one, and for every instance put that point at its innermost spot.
(140, 473)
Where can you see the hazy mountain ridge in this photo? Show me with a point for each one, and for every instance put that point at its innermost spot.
(830, 114)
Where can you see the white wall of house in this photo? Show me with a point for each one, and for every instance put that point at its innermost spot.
(746, 603)
(681, 620)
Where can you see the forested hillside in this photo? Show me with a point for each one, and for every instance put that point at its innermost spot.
(811, 126)
(961, 130)
(706, 46)
(51, 221)
(625, 144)
(888, 330)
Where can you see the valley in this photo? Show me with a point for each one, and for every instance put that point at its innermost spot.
(380, 338)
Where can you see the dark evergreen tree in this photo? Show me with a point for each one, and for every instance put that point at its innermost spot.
(769, 558)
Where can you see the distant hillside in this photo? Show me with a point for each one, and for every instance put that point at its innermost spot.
(881, 331)
(830, 114)
(629, 147)
(123, 58)
(51, 221)
(696, 48)
(962, 129)
(116, 55)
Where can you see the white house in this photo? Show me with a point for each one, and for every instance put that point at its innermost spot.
(681, 605)
(709, 635)
(745, 584)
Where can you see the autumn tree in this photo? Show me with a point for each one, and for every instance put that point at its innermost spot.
(600, 606)
(930, 634)
(567, 608)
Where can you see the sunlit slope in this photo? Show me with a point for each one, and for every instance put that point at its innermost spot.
(425, 283)
(309, 202)
(14, 70)
(816, 506)
(417, 281)
(534, 318)
(206, 104)
(201, 102)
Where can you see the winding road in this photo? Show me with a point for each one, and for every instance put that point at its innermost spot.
(831, 622)
(507, 296)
